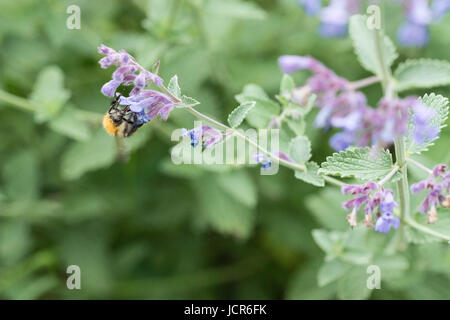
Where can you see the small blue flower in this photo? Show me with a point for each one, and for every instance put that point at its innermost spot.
(311, 7)
(265, 162)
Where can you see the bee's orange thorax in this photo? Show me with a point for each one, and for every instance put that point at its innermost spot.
(109, 125)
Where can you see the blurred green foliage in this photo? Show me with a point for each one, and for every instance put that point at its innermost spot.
(147, 228)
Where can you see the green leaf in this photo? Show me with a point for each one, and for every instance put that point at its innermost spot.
(71, 124)
(415, 236)
(365, 46)
(264, 110)
(81, 157)
(20, 175)
(331, 271)
(252, 90)
(353, 286)
(328, 241)
(239, 186)
(297, 126)
(361, 163)
(300, 149)
(439, 106)
(356, 256)
(49, 93)
(188, 102)
(304, 286)
(422, 73)
(238, 115)
(311, 175)
(392, 266)
(173, 86)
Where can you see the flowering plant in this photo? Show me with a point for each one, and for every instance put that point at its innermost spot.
(410, 124)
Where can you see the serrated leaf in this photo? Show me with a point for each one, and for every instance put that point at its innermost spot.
(300, 149)
(365, 46)
(439, 106)
(360, 163)
(238, 114)
(311, 175)
(331, 271)
(173, 86)
(422, 73)
(188, 102)
(49, 93)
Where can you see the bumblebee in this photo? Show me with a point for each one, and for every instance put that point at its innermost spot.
(121, 122)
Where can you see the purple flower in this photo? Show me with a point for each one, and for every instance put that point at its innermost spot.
(385, 222)
(146, 104)
(152, 103)
(334, 19)
(327, 30)
(373, 196)
(438, 184)
(289, 63)
(342, 140)
(388, 204)
(109, 88)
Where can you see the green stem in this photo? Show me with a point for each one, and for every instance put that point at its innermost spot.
(419, 165)
(363, 82)
(400, 149)
(385, 72)
(402, 187)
